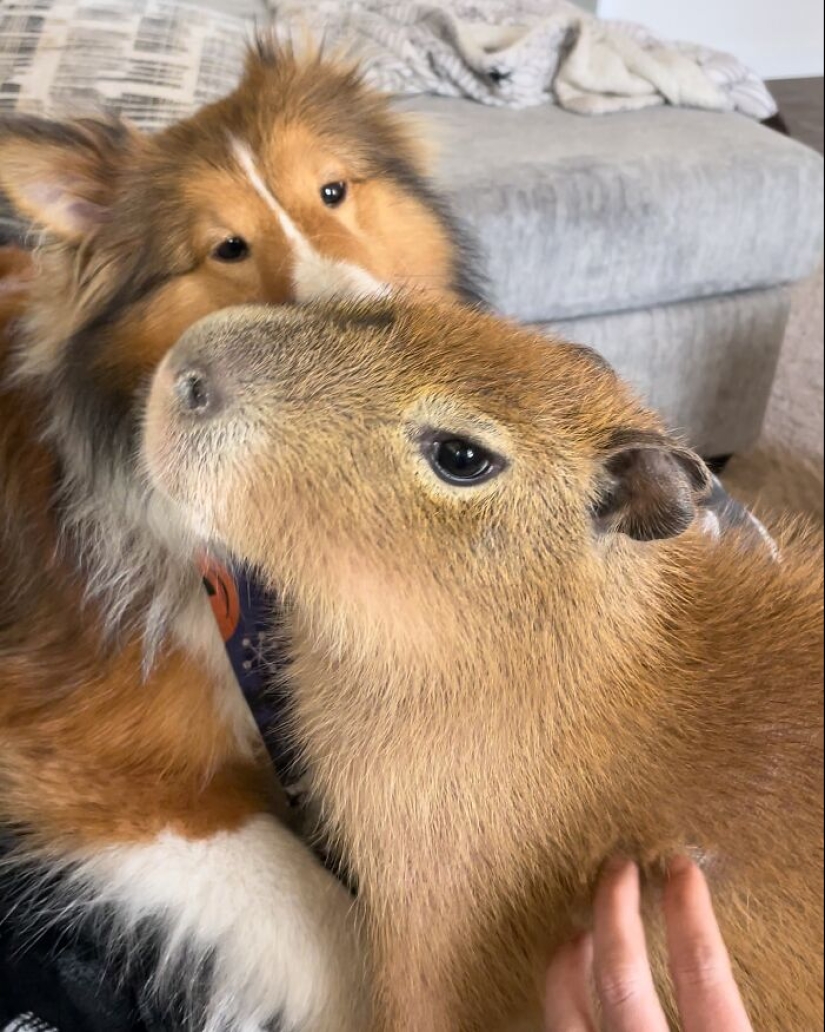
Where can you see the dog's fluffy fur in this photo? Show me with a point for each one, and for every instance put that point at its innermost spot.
(497, 686)
(128, 761)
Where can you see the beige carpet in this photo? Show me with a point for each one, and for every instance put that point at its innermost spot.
(785, 472)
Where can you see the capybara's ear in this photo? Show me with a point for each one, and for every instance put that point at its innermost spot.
(650, 487)
(61, 175)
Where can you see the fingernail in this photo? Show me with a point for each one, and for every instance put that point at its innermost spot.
(679, 865)
(618, 865)
(581, 948)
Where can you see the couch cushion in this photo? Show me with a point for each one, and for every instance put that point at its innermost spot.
(591, 215)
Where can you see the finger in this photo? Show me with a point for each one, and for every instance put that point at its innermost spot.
(569, 1008)
(706, 990)
(624, 981)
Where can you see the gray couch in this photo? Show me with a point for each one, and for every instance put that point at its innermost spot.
(665, 238)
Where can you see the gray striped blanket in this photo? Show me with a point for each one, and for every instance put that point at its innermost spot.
(157, 60)
(521, 53)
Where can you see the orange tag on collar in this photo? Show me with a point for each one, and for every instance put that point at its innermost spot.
(223, 594)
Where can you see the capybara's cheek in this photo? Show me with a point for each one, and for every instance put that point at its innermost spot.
(246, 507)
(177, 456)
(161, 450)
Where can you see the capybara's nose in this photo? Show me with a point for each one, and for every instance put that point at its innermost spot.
(197, 390)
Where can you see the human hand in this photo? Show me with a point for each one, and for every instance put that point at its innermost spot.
(615, 959)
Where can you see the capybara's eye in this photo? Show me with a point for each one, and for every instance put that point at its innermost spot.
(461, 462)
(233, 249)
(334, 194)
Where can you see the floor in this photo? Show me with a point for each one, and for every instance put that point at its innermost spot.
(785, 471)
(801, 102)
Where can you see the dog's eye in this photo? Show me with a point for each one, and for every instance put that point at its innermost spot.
(233, 249)
(462, 462)
(334, 194)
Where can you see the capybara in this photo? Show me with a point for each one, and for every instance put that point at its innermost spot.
(517, 648)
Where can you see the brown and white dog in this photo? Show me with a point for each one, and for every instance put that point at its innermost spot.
(131, 772)
(516, 648)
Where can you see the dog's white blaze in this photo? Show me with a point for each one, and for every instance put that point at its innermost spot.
(316, 277)
(281, 933)
(246, 160)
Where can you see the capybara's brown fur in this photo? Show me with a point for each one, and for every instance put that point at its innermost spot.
(499, 685)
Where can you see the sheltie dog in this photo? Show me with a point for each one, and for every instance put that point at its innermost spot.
(132, 776)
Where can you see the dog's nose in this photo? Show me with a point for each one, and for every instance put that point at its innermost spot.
(197, 391)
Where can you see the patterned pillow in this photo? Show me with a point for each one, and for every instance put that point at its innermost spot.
(153, 61)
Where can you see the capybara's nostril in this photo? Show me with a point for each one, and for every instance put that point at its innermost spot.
(197, 392)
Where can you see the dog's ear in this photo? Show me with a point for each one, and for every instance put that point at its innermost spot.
(61, 176)
(650, 487)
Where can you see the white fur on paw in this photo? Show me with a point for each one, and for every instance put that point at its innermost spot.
(277, 935)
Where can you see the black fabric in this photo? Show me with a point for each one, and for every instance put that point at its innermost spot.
(66, 979)
(67, 989)
(65, 983)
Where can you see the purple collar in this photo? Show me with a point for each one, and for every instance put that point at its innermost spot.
(248, 619)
